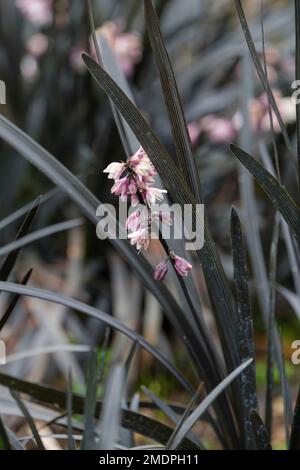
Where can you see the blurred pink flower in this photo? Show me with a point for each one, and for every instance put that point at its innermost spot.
(38, 12)
(29, 68)
(260, 115)
(75, 59)
(219, 130)
(37, 45)
(126, 46)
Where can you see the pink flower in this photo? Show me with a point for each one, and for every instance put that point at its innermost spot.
(75, 59)
(140, 238)
(128, 50)
(139, 155)
(219, 130)
(115, 170)
(161, 270)
(144, 170)
(153, 194)
(141, 164)
(137, 184)
(181, 265)
(126, 46)
(134, 200)
(29, 68)
(120, 188)
(260, 116)
(133, 222)
(132, 187)
(38, 12)
(37, 45)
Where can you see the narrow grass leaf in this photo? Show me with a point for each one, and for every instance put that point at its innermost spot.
(28, 418)
(295, 431)
(244, 325)
(13, 302)
(184, 416)
(170, 413)
(71, 442)
(276, 193)
(261, 435)
(260, 70)
(271, 329)
(88, 440)
(109, 427)
(206, 403)
(27, 207)
(173, 102)
(40, 234)
(11, 258)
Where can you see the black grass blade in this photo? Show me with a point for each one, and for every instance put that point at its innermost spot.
(244, 325)
(88, 441)
(11, 258)
(260, 70)
(295, 431)
(14, 302)
(28, 418)
(276, 193)
(109, 426)
(173, 102)
(69, 406)
(261, 435)
(206, 403)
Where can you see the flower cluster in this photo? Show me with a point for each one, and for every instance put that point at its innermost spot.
(134, 180)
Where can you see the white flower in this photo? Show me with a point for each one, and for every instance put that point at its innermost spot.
(140, 238)
(115, 170)
(153, 194)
